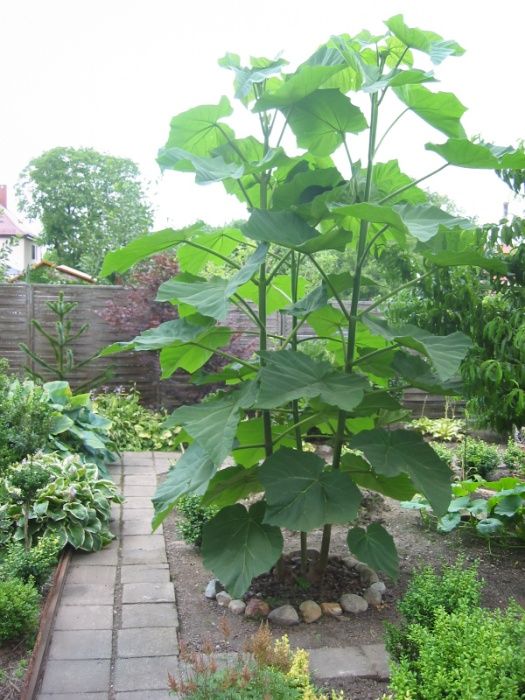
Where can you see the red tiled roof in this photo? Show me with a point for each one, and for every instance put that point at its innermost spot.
(9, 226)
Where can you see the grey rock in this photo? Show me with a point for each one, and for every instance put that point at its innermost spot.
(285, 615)
(310, 611)
(378, 586)
(352, 603)
(213, 587)
(237, 607)
(223, 599)
(367, 575)
(350, 562)
(373, 597)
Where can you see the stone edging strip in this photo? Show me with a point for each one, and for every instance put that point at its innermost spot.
(36, 662)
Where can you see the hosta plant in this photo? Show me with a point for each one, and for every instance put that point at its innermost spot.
(492, 508)
(74, 505)
(330, 190)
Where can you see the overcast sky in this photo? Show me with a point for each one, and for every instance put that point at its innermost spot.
(109, 74)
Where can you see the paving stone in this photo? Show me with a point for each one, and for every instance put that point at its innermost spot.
(140, 479)
(160, 641)
(144, 556)
(137, 491)
(84, 617)
(149, 615)
(147, 695)
(148, 593)
(75, 676)
(108, 555)
(162, 468)
(158, 573)
(137, 458)
(378, 658)
(133, 514)
(137, 502)
(92, 574)
(140, 527)
(148, 673)
(136, 469)
(87, 594)
(81, 644)
(147, 542)
(341, 662)
(74, 696)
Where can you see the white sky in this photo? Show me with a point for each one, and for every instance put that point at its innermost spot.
(109, 74)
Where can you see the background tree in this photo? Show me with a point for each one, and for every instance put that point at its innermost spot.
(88, 203)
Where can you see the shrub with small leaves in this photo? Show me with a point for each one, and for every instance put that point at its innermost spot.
(478, 457)
(457, 588)
(19, 610)
(194, 518)
(466, 655)
(514, 457)
(34, 564)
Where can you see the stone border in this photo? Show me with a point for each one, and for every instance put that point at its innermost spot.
(47, 618)
(309, 610)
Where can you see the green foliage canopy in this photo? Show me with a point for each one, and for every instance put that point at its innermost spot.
(88, 203)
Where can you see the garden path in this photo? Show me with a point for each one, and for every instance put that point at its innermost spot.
(115, 634)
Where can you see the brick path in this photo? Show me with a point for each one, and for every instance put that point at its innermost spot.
(115, 633)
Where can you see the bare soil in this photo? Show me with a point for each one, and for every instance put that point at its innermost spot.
(502, 570)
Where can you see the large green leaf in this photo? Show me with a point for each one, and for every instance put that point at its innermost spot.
(210, 297)
(192, 258)
(445, 351)
(231, 485)
(141, 248)
(189, 476)
(321, 120)
(420, 221)
(278, 293)
(324, 65)
(289, 230)
(428, 42)
(213, 424)
(441, 110)
(207, 169)
(318, 298)
(189, 356)
(237, 546)
(392, 452)
(466, 154)
(375, 547)
(420, 375)
(388, 178)
(246, 78)
(397, 78)
(303, 495)
(399, 487)
(289, 375)
(305, 186)
(180, 330)
(249, 440)
(198, 130)
(454, 248)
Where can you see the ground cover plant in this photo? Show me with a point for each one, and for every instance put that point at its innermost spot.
(134, 427)
(301, 204)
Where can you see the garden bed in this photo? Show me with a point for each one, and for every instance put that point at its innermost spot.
(200, 618)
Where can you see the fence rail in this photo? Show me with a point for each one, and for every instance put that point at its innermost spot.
(20, 303)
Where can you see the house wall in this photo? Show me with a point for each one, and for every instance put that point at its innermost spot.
(21, 254)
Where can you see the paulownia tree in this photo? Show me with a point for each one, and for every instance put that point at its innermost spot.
(300, 204)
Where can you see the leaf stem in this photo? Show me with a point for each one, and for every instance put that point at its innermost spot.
(389, 129)
(385, 297)
(330, 286)
(412, 184)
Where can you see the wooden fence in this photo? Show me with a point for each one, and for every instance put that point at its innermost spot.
(19, 303)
